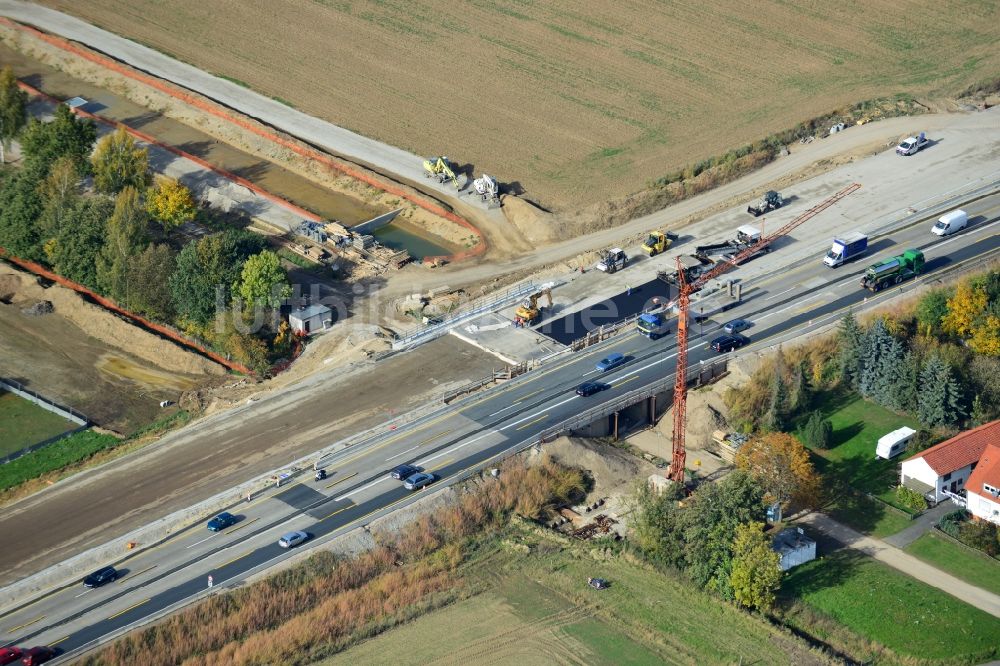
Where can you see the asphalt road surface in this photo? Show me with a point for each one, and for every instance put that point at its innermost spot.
(457, 439)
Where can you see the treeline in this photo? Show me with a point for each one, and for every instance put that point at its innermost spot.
(95, 216)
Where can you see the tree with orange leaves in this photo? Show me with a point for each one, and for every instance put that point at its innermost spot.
(782, 466)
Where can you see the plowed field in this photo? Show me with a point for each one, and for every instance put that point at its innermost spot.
(578, 101)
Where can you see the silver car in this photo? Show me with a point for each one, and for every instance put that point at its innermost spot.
(292, 539)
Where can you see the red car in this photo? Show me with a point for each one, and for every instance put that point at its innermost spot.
(9, 655)
(38, 655)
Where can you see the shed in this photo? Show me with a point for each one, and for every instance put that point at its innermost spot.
(891, 445)
(310, 319)
(794, 547)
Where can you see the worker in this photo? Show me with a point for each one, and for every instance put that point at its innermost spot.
(628, 290)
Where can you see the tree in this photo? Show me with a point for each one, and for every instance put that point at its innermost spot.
(125, 239)
(13, 109)
(799, 392)
(20, 207)
(876, 343)
(170, 203)
(263, 281)
(714, 511)
(818, 432)
(908, 382)
(850, 358)
(151, 271)
(889, 376)
(59, 191)
(777, 410)
(659, 528)
(782, 466)
(964, 309)
(243, 348)
(939, 402)
(756, 573)
(64, 135)
(931, 309)
(80, 238)
(118, 163)
(986, 336)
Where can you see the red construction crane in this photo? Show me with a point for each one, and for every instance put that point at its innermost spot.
(683, 300)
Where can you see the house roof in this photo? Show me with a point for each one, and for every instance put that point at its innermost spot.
(790, 540)
(310, 311)
(987, 471)
(961, 450)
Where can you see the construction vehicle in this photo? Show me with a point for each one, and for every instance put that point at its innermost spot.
(683, 303)
(846, 248)
(440, 168)
(693, 266)
(893, 270)
(487, 187)
(770, 201)
(652, 325)
(747, 237)
(912, 144)
(530, 310)
(657, 242)
(612, 260)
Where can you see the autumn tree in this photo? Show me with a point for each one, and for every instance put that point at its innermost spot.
(756, 569)
(13, 110)
(964, 309)
(244, 348)
(986, 336)
(263, 281)
(60, 192)
(782, 466)
(118, 163)
(125, 238)
(170, 203)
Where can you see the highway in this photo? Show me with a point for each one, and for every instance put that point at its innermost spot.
(466, 436)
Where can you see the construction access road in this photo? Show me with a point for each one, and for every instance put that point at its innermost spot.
(465, 436)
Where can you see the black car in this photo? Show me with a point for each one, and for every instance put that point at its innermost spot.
(403, 471)
(221, 522)
(589, 388)
(727, 343)
(100, 577)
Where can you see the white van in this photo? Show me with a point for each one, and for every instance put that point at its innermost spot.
(950, 223)
(891, 445)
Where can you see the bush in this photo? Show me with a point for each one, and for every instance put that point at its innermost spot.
(818, 432)
(980, 535)
(910, 499)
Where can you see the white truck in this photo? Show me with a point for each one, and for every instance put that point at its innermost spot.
(845, 248)
(912, 144)
(613, 260)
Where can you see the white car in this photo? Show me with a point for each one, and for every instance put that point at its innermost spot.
(292, 539)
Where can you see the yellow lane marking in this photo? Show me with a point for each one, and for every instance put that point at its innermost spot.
(235, 559)
(442, 465)
(137, 573)
(335, 513)
(531, 423)
(122, 612)
(60, 640)
(528, 395)
(242, 525)
(26, 624)
(435, 437)
(625, 381)
(342, 479)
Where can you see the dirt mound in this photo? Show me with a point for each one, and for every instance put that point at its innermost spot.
(9, 286)
(534, 223)
(614, 471)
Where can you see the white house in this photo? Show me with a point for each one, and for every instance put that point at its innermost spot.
(310, 319)
(794, 547)
(983, 487)
(947, 466)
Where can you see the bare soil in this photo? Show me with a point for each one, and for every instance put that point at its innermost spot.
(572, 102)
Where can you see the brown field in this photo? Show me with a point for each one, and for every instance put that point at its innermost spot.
(578, 102)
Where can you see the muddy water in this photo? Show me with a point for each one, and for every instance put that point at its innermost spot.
(299, 190)
(403, 237)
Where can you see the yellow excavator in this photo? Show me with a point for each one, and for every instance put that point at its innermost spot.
(529, 310)
(440, 168)
(657, 242)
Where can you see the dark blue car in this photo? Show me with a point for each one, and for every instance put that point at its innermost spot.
(221, 522)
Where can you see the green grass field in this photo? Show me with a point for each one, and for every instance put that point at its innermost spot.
(979, 570)
(72, 449)
(23, 423)
(884, 605)
(867, 516)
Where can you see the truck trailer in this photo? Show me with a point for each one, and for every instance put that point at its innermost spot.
(893, 270)
(846, 248)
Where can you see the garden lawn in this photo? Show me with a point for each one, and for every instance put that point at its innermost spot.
(23, 423)
(891, 608)
(867, 516)
(979, 570)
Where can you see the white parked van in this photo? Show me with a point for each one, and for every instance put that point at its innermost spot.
(950, 223)
(891, 445)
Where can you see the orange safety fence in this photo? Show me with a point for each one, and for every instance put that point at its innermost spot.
(37, 269)
(219, 111)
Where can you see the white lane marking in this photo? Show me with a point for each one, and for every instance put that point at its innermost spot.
(539, 412)
(784, 292)
(423, 463)
(591, 372)
(503, 410)
(400, 455)
(83, 593)
(365, 487)
(202, 541)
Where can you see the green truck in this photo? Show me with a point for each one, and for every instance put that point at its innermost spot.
(893, 270)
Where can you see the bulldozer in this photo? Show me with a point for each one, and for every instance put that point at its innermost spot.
(529, 310)
(440, 168)
(487, 187)
(657, 242)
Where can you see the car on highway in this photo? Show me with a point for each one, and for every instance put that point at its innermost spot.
(418, 481)
(38, 655)
(590, 388)
(736, 326)
(404, 471)
(292, 539)
(727, 343)
(221, 522)
(610, 362)
(100, 577)
(9, 655)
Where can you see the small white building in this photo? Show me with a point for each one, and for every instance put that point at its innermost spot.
(310, 319)
(983, 487)
(947, 466)
(794, 547)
